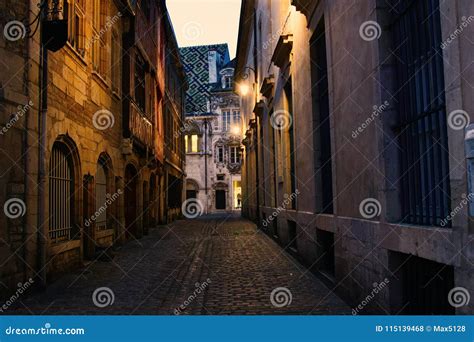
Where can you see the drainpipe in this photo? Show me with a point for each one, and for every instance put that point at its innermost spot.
(205, 163)
(42, 141)
(26, 147)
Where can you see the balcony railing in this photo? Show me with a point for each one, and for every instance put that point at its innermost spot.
(141, 127)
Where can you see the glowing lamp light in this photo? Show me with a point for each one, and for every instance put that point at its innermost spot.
(244, 89)
(235, 130)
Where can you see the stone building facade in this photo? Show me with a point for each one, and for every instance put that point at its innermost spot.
(212, 129)
(176, 86)
(98, 180)
(354, 131)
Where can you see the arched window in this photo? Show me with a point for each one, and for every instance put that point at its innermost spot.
(61, 193)
(101, 197)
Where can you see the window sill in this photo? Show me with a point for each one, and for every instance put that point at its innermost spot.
(64, 246)
(73, 51)
(101, 80)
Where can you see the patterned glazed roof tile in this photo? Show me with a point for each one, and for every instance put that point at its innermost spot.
(196, 65)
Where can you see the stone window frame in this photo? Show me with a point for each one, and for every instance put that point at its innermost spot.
(76, 10)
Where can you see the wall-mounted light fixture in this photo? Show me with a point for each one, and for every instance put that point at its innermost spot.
(244, 74)
(54, 24)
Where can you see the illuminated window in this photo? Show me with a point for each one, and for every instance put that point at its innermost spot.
(194, 143)
(186, 144)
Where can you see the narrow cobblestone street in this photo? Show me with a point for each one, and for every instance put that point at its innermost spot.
(238, 265)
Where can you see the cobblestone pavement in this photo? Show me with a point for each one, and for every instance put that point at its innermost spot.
(217, 264)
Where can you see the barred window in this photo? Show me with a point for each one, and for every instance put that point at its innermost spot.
(61, 193)
(422, 126)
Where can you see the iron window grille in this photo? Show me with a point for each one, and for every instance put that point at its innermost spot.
(422, 129)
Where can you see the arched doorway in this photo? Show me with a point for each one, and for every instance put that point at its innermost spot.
(131, 201)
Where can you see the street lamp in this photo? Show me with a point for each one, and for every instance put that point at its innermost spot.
(243, 89)
(244, 75)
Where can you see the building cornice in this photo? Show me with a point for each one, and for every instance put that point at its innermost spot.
(281, 55)
(243, 41)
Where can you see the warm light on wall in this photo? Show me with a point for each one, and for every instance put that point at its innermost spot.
(235, 130)
(244, 89)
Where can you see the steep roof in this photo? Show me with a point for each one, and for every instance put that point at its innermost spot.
(196, 66)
